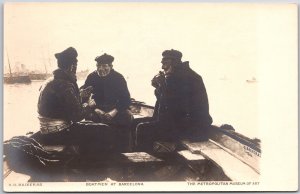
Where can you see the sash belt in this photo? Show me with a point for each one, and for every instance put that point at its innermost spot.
(49, 125)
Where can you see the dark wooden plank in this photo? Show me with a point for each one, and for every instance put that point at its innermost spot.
(106, 160)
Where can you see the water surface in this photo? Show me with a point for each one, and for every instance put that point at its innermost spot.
(231, 102)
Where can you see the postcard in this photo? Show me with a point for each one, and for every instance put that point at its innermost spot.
(150, 97)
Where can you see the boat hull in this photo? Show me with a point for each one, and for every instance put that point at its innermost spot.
(39, 76)
(175, 165)
(17, 79)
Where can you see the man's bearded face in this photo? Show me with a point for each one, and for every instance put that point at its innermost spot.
(103, 69)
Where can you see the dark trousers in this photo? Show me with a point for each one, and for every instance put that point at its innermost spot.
(122, 118)
(121, 124)
(89, 137)
(149, 132)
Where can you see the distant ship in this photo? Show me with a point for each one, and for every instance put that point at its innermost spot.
(81, 75)
(253, 80)
(13, 78)
(39, 76)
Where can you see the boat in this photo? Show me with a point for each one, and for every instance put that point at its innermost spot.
(225, 156)
(38, 76)
(41, 75)
(14, 78)
(252, 80)
(81, 75)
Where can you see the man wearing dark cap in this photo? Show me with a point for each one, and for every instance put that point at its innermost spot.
(112, 98)
(181, 110)
(60, 106)
(110, 93)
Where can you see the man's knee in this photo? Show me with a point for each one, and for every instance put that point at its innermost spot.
(124, 118)
(92, 116)
(142, 128)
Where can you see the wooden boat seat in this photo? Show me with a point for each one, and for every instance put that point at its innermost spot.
(188, 155)
(233, 168)
(140, 157)
(107, 160)
(160, 159)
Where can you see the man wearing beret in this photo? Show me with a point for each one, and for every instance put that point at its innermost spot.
(181, 110)
(60, 106)
(110, 93)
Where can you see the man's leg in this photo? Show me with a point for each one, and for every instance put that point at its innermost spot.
(146, 134)
(123, 118)
(196, 132)
(93, 138)
(122, 124)
(92, 116)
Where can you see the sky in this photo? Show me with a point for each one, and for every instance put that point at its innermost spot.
(233, 41)
(217, 40)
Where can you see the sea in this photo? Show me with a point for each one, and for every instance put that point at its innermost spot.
(231, 102)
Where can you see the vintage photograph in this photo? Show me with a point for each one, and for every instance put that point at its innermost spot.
(149, 96)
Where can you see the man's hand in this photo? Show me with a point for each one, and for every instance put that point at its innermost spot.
(85, 93)
(91, 102)
(106, 116)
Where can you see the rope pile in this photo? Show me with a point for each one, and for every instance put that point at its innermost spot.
(22, 151)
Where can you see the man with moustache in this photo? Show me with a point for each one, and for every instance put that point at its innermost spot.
(110, 93)
(60, 108)
(181, 110)
(112, 99)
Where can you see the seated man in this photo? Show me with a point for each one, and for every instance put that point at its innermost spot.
(60, 108)
(110, 93)
(181, 109)
(112, 99)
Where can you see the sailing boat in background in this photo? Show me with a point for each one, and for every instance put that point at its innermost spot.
(34, 75)
(39, 76)
(81, 75)
(13, 78)
(253, 80)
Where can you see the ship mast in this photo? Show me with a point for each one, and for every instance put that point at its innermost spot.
(49, 60)
(8, 64)
(46, 71)
(46, 68)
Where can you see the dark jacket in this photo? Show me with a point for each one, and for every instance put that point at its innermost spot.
(183, 100)
(60, 99)
(109, 92)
